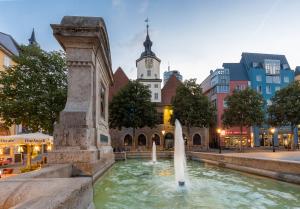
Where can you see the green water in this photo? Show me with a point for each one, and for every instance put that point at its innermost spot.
(137, 184)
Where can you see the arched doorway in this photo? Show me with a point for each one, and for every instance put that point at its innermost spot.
(128, 140)
(156, 139)
(142, 140)
(169, 141)
(197, 139)
(185, 139)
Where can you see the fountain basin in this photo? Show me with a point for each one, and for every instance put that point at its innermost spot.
(138, 184)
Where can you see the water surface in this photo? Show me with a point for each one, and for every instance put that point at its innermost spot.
(137, 184)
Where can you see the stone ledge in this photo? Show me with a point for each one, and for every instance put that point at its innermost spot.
(287, 171)
(52, 193)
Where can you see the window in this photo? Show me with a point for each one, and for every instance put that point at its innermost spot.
(103, 101)
(277, 88)
(272, 66)
(142, 75)
(237, 87)
(276, 79)
(258, 77)
(6, 150)
(155, 85)
(155, 75)
(269, 79)
(268, 89)
(148, 73)
(286, 79)
(149, 86)
(269, 102)
(258, 89)
(6, 61)
(155, 96)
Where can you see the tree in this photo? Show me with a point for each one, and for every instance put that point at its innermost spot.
(191, 107)
(132, 108)
(33, 91)
(285, 107)
(244, 108)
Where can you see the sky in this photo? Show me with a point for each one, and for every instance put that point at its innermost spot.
(192, 36)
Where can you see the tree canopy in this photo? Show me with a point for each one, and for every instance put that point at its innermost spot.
(244, 108)
(131, 107)
(285, 107)
(191, 107)
(33, 91)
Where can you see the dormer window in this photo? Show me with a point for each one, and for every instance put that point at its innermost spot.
(142, 75)
(272, 67)
(155, 75)
(148, 73)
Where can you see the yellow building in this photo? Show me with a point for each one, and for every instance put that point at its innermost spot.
(8, 49)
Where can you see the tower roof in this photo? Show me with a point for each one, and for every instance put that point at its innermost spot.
(32, 39)
(148, 44)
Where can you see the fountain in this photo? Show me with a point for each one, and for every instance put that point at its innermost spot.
(154, 152)
(179, 155)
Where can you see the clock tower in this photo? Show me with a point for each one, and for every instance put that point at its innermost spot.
(148, 70)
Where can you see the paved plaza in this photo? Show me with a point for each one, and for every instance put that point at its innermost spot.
(282, 155)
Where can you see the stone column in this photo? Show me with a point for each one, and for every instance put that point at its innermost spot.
(82, 135)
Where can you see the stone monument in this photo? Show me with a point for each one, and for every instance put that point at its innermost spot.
(81, 137)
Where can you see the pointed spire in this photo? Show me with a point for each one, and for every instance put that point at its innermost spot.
(147, 43)
(32, 40)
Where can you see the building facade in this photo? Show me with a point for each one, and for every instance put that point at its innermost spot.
(148, 73)
(8, 49)
(266, 74)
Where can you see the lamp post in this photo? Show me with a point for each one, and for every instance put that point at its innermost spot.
(219, 136)
(272, 132)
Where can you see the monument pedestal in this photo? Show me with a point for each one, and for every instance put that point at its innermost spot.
(81, 137)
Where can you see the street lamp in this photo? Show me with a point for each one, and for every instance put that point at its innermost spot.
(272, 132)
(219, 136)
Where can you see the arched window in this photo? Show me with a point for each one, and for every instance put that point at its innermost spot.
(196, 139)
(128, 140)
(156, 139)
(142, 140)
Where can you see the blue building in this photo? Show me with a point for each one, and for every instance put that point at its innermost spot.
(268, 73)
(169, 73)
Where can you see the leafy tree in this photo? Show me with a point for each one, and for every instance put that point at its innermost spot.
(244, 108)
(132, 108)
(285, 108)
(191, 107)
(33, 91)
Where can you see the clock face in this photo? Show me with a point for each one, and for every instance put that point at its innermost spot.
(149, 63)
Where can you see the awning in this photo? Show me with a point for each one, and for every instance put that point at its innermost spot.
(31, 138)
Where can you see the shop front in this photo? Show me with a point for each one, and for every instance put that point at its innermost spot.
(232, 138)
(20, 148)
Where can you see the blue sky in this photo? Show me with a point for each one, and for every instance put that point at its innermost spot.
(194, 36)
